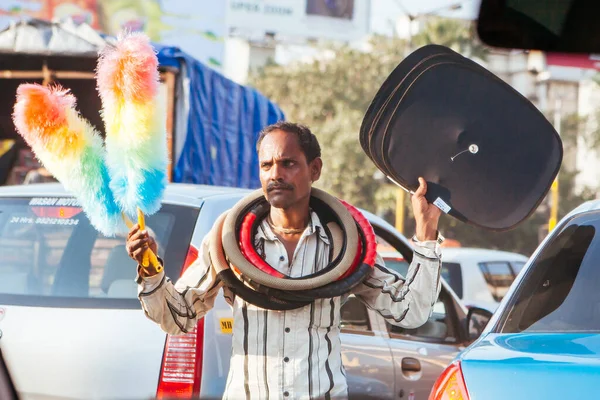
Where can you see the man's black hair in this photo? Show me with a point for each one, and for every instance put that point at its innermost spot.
(308, 141)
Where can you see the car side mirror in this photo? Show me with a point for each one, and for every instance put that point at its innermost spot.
(477, 319)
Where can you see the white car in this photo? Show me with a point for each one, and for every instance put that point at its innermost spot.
(71, 326)
(481, 277)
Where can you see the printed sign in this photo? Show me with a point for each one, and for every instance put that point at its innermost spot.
(442, 205)
(44, 221)
(226, 325)
(54, 201)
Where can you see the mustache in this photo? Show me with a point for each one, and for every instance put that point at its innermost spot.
(279, 185)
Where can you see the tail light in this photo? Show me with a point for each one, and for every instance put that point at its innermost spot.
(190, 257)
(450, 385)
(181, 370)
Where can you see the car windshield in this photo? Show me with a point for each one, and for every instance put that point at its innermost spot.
(559, 292)
(499, 276)
(50, 255)
(517, 266)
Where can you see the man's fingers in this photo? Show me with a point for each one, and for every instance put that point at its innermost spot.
(134, 229)
(139, 241)
(138, 235)
(138, 253)
(420, 192)
(152, 243)
(136, 244)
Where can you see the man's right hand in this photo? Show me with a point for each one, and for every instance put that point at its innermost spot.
(137, 242)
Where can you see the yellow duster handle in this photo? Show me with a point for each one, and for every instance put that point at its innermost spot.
(148, 258)
(142, 224)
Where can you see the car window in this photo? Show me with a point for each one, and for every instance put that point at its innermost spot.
(392, 258)
(499, 276)
(559, 292)
(442, 325)
(517, 266)
(438, 327)
(49, 250)
(355, 316)
(452, 274)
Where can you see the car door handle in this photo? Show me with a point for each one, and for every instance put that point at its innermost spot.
(410, 364)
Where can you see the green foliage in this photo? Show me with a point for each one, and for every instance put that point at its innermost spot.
(331, 95)
(459, 35)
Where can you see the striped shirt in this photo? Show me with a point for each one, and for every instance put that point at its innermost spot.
(292, 354)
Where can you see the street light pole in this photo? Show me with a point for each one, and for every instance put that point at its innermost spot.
(400, 196)
(554, 188)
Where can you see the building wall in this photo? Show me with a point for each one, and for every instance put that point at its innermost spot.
(588, 161)
(559, 93)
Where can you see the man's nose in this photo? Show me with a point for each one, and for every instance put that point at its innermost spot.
(276, 172)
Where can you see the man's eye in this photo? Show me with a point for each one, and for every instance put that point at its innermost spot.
(288, 163)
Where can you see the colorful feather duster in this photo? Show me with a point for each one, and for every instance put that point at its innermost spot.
(70, 148)
(135, 120)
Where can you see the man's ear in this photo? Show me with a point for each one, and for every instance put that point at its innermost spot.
(315, 169)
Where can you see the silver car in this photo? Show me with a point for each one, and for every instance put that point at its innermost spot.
(71, 325)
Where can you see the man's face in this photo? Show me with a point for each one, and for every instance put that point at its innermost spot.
(285, 175)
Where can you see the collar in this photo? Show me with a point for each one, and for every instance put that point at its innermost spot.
(314, 226)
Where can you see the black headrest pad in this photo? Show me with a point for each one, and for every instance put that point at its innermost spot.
(488, 155)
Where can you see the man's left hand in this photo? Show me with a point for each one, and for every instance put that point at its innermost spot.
(427, 215)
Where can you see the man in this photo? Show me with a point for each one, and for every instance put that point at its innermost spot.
(292, 354)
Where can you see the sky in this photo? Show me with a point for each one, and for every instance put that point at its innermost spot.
(384, 13)
(384, 17)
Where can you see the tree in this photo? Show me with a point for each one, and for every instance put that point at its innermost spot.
(456, 34)
(331, 94)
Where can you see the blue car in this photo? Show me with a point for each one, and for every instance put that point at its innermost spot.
(543, 342)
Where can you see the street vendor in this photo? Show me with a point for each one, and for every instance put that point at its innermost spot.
(297, 353)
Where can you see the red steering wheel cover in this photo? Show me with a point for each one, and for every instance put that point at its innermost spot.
(248, 250)
(370, 239)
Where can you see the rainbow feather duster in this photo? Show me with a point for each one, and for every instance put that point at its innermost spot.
(70, 148)
(135, 120)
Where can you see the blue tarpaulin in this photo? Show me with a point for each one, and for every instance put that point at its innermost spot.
(223, 123)
(216, 121)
